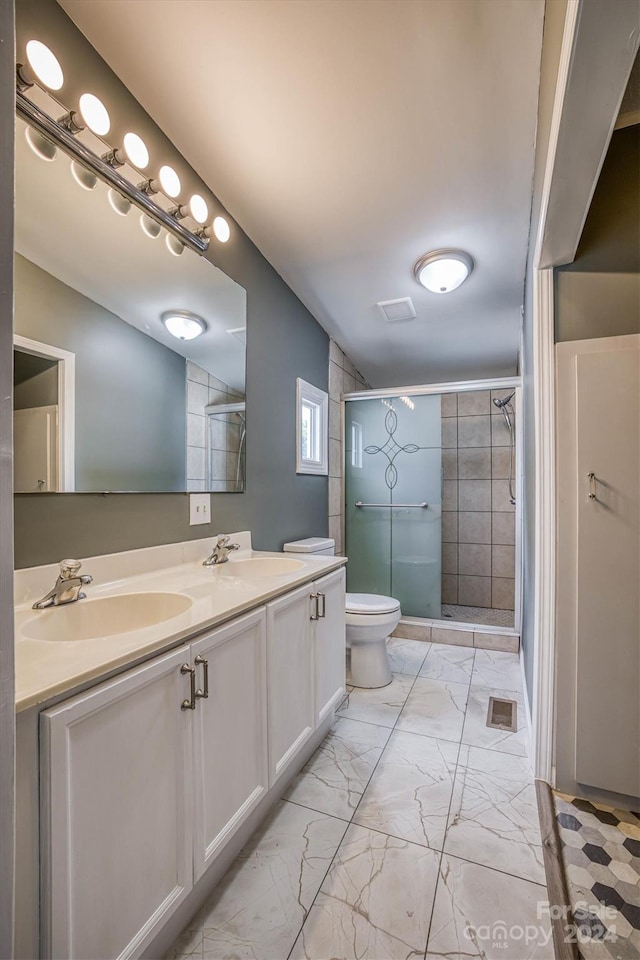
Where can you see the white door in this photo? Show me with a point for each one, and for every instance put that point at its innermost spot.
(116, 780)
(329, 643)
(230, 732)
(291, 707)
(608, 570)
(35, 449)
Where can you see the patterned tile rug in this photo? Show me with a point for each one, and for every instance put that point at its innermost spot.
(601, 856)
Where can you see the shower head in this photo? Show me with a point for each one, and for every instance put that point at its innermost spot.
(505, 400)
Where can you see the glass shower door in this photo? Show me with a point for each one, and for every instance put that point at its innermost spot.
(393, 500)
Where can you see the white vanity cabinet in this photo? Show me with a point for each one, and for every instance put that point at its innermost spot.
(230, 732)
(145, 778)
(139, 792)
(306, 664)
(329, 643)
(117, 831)
(291, 707)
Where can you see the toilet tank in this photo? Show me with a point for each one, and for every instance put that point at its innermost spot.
(320, 546)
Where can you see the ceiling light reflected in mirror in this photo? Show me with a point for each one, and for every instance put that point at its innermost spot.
(183, 325)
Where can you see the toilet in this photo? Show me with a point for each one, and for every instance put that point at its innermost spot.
(370, 619)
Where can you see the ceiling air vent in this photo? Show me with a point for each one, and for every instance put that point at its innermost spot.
(392, 310)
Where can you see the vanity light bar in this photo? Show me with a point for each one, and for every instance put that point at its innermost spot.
(54, 131)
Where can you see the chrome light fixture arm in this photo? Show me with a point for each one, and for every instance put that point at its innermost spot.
(62, 137)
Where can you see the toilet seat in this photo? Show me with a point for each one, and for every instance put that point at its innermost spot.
(370, 604)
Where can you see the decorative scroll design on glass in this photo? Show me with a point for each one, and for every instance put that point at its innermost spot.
(391, 448)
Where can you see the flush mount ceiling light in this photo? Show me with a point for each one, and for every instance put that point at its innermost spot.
(95, 114)
(45, 65)
(42, 147)
(442, 271)
(183, 325)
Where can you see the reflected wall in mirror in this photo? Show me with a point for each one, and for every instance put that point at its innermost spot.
(106, 397)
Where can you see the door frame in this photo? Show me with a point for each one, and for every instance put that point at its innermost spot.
(599, 43)
(66, 405)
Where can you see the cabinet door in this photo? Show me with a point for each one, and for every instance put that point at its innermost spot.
(117, 825)
(230, 732)
(290, 678)
(329, 644)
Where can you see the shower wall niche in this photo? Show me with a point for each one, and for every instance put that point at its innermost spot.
(478, 517)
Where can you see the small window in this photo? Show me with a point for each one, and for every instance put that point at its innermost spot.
(311, 429)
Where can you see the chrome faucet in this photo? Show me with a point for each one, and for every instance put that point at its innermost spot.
(221, 551)
(68, 586)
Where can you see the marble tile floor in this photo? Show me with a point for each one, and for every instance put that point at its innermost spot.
(410, 833)
(487, 616)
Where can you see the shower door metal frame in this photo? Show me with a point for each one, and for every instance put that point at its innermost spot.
(462, 386)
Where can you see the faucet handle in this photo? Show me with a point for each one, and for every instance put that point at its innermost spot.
(223, 540)
(69, 569)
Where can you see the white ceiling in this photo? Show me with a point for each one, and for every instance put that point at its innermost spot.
(349, 138)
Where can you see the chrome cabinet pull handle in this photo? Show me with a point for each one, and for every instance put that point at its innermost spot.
(324, 605)
(316, 614)
(190, 702)
(204, 693)
(591, 477)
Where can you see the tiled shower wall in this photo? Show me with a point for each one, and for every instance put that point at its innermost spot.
(202, 389)
(478, 519)
(343, 378)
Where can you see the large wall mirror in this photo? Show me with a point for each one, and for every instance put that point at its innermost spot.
(107, 398)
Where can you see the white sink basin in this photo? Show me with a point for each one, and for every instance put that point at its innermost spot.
(255, 567)
(105, 616)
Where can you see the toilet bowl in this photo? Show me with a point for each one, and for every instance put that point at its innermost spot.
(370, 619)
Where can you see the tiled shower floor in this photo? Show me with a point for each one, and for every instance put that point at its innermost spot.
(412, 831)
(484, 615)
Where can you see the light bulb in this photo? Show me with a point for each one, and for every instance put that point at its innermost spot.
(83, 177)
(42, 147)
(95, 114)
(174, 246)
(44, 64)
(169, 181)
(183, 325)
(221, 229)
(136, 150)
(149, 226)
(118, 203)
(198, 208)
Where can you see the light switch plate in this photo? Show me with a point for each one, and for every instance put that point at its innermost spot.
(199, 508)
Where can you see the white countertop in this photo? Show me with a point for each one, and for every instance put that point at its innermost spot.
(47, 668)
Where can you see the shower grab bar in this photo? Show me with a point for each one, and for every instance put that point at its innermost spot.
(392, 506)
